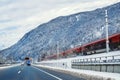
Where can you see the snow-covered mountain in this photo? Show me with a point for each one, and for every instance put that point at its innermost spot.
(65, 31)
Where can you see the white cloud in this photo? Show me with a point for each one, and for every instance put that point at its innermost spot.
(17, 17)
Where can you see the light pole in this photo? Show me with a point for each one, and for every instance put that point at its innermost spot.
(57, 50)
(81, 48)
(107, 40)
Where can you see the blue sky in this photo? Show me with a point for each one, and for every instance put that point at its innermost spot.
(17, 17)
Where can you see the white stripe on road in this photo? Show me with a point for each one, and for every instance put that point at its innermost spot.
(48, 74)
(19, 72)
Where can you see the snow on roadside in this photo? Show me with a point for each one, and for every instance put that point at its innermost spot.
(9, 66)
(104, 75)
(58, 65)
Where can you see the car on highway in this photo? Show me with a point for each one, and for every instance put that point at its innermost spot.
(27, 61)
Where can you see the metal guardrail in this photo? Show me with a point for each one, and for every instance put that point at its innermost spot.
(114, 59)
(103, 64)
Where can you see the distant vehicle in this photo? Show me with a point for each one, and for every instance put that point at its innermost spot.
(28, 61)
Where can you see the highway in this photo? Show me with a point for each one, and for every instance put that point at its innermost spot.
(33, 73)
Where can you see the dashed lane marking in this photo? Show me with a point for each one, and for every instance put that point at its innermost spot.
(19, 72)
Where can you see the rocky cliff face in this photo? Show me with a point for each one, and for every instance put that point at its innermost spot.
(69, 30)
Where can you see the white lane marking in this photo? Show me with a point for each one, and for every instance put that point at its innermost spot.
(19, 72)
(48, 74)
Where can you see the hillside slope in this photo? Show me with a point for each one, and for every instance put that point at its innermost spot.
(69, 30)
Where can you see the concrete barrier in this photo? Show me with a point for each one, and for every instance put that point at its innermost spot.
(99, 67)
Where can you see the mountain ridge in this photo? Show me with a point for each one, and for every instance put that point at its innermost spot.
(79, 28)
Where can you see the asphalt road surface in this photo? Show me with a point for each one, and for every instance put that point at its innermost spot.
(33, 73)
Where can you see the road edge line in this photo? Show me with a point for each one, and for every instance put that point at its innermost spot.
(48, 73)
